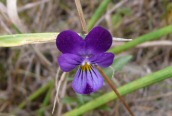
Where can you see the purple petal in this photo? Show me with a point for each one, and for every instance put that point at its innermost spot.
(70, 42)
(103, 60)
(98, 40)
(68, 62)
(87, 81)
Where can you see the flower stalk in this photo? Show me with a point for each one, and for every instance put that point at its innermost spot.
(112, 85)
(85, 29)
(81, 16)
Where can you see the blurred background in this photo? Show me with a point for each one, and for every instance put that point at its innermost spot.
(26, 69)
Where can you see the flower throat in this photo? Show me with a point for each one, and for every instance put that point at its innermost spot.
(86, 66)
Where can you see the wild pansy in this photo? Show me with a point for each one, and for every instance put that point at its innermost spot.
(85, 53)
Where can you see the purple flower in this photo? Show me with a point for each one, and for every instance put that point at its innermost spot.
(85, 53)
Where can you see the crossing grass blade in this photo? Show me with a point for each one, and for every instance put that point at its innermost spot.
(123, 90)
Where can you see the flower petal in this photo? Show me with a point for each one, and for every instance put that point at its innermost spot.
(87, 81)
(68, 62)
(98, 40)
(103, 60)
(70, 42)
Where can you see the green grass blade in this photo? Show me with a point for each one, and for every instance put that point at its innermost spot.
(29, 38)
(35, 38)
(46, 101)
(147, 37)
(124, 90)
(99, 12)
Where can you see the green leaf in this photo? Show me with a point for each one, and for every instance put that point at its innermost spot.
(121, 62)
(106, 108)
(69, 100)
(118, 64)
(125, 11)
(83, 98)
(116, 20)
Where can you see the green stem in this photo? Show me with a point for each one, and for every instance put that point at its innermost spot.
(147, 37)
(124, 90)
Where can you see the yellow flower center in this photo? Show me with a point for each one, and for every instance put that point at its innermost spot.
(86, 66)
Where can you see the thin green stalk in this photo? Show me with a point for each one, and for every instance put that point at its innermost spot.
(147, 37)
(99, 12)
(36, 94)
(124, 90)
